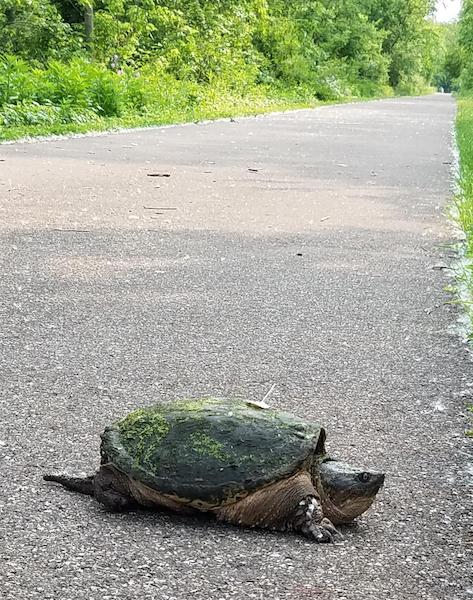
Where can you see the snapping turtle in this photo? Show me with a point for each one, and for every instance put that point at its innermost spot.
(247, 465)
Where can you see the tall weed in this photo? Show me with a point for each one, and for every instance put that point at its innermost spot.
(464, 199)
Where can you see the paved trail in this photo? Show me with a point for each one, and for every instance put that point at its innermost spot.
(299, 251)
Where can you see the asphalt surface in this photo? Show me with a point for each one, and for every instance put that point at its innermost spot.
(303, 249)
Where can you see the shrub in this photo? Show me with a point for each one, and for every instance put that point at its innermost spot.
(32, 113)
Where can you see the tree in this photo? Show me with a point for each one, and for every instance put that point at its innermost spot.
(34, 29)
(403, 23)
(465, 39)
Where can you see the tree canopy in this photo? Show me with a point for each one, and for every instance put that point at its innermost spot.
(465, 41)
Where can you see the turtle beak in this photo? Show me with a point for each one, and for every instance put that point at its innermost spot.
(378, 480)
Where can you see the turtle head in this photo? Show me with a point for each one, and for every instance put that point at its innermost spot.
(347, 491)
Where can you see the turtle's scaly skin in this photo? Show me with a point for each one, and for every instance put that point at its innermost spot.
(211, 452)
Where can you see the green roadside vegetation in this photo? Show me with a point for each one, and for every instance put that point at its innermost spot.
(463, 83)
(100, 105)
(82, 65)
(458, 62)
(464, 204)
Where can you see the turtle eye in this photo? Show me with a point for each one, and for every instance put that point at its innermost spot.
(364, 477)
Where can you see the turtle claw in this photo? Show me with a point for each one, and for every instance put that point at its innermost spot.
(319, 534)
(330, 527)
(323, 532)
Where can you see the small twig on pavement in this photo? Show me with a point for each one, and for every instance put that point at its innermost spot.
(268, 393)
(159, 207)
(71, 230)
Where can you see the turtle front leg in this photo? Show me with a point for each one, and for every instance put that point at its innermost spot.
(288, 505)
(310, 521)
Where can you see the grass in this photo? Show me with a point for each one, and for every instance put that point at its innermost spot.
(464, 205)
(464, 199)
(228, 107)
(464, 126)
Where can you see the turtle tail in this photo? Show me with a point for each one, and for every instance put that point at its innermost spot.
(84, 485)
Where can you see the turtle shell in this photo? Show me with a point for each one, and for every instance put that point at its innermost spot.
(211, 450)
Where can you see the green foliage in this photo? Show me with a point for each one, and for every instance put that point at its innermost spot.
(146, 97)
(465, 39)
(406, 37)
(32, 114)
(447, 64)
(246, 41)
(34, 29)
(469, 432)
(464, 204)
(74, 86)
(163, 57)
(464, 138)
